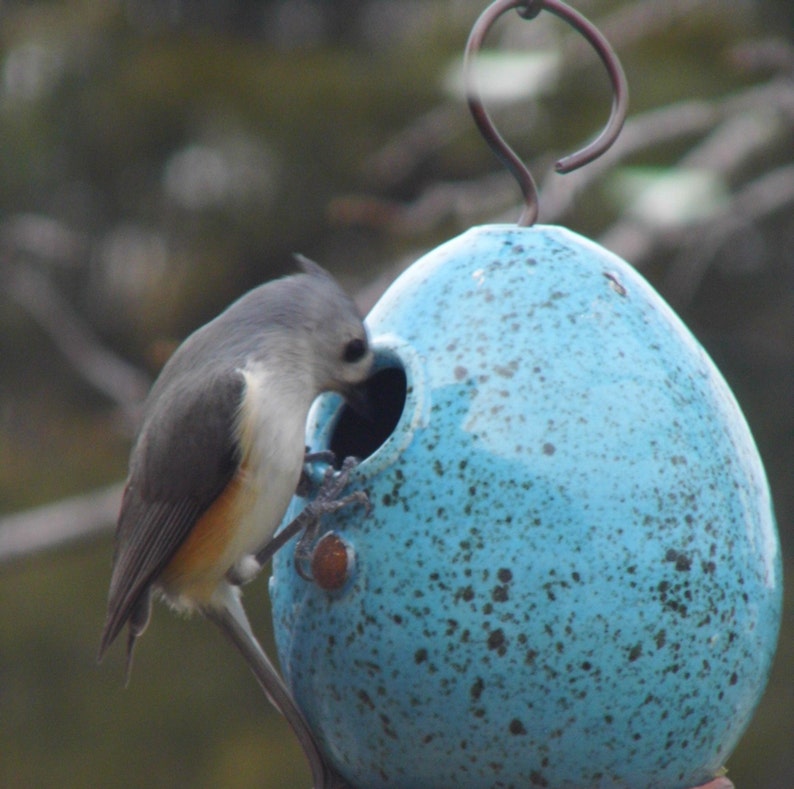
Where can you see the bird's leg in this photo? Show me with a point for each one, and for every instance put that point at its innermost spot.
(307, 523)
(230, 617)
(329, 499)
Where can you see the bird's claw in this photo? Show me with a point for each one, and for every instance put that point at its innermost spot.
(307, 523)
(329, 499)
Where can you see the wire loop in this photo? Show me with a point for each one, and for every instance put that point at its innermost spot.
(529, 9)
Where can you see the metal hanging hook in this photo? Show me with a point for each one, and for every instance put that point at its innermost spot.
(529, 9)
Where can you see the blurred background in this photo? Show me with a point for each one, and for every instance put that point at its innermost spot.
(159, 157)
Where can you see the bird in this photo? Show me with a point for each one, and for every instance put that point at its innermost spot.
(219, 455)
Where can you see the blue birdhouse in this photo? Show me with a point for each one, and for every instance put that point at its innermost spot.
(570, 574)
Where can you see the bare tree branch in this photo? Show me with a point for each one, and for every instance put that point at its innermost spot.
(766, 195)
(54, 525)
(42, 238)
(635, 22)
(107, 372)
(749, 124)
(663, 126)
(463, 201)
(492, 196)
(401, 156)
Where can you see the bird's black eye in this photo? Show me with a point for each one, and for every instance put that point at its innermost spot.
(354, 350)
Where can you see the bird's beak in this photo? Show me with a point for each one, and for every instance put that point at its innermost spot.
(358, 398)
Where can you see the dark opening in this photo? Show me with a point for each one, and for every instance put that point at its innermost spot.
(359, 434)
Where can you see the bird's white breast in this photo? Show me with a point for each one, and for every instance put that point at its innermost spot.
(271, 432)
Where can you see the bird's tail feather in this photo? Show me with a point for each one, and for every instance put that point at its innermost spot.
(229, 615)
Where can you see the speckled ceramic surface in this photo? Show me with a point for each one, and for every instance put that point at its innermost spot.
(571, 575)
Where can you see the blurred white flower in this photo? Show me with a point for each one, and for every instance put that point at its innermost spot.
(506, 77)
(662, 197)
(236, 169)
(30, 70)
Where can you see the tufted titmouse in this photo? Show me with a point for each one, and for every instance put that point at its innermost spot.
(220, 453)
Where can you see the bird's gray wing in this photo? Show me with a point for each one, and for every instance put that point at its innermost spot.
(185, 456)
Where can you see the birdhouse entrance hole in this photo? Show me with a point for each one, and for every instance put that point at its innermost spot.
(360, 435)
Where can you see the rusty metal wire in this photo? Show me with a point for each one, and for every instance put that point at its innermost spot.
(529, 9)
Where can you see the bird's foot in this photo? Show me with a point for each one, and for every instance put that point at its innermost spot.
(329, 499)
